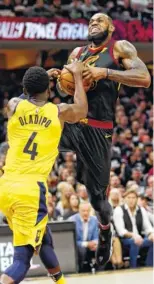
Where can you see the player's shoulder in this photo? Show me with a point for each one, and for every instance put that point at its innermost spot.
(12, 106)
(76, 52)
(122, 45)
(122, 42)
(14, 100)
(52, 109)
(13, 103)
(77, 49)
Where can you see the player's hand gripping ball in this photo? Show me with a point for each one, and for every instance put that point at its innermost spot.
(66, 82)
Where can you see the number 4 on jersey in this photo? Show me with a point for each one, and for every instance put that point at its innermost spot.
(32, 152)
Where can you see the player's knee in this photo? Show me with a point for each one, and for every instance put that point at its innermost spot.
(103, 209)
(100, 202)
(21, 263)
(23, 254)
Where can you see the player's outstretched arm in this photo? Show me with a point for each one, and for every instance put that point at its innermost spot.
(11, 106)
(136, 73)
(74, 112)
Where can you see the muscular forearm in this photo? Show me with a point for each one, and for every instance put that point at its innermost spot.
(133, 77)
(80, 97)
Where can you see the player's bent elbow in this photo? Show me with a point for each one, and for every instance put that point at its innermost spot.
(80, 115)
(84, 113)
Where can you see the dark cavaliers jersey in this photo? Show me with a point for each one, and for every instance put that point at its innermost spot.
(103, 94)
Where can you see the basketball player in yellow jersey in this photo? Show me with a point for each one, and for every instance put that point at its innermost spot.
(34, 131)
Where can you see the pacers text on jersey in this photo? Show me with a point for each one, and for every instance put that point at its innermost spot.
(34, 119)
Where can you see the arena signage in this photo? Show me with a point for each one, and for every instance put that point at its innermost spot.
(41, 29)
(64, 239)
(63, 29)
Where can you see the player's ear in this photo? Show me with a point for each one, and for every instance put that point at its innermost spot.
(25, 92)
(111, 28)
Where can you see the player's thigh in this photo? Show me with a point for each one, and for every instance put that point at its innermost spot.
(70, 138)
(29, 202)
(95, 154)
(5, 199)
(30, 213)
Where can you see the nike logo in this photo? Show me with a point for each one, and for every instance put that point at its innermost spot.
(107, 136)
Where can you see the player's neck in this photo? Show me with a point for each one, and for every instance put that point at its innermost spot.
(103, 43)
(37, 101)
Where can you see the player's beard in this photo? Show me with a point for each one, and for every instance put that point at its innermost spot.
(99, 38)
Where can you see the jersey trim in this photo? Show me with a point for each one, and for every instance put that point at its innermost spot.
(112, 54)
(96, 49)
(80, 52)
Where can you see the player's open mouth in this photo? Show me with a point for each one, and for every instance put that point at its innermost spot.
(94, 30)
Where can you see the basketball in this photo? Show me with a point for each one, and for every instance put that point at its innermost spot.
(66, 82)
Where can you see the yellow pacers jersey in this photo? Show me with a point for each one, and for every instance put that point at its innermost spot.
(33, 134)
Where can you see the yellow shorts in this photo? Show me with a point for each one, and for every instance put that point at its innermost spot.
(23, 202)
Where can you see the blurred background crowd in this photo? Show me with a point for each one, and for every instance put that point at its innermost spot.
(131, 176)
(131, 164)
(118, 9)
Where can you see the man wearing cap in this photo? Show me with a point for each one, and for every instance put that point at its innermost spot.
(133, 227)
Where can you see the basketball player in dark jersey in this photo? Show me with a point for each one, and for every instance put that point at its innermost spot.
(108, 64)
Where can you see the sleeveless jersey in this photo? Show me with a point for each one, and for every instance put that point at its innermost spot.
(103, 94)
(33, 135)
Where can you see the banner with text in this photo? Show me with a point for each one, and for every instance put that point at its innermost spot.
(68, 30)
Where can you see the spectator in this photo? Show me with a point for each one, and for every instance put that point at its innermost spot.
(6, 8)
(88, 9)
(132, 185)
(115, 200)
(149, 189)
(74, 9)
(115, 197)
(19, 8)
(143, 202)
(57, 8)
(63, 174)
(66, 190)
(130, 222)
(39, 10)
(82, 193)
(137, 176)
(122, 124)
(86, 234)
(135, 127)
(69, 157)
(116, 258)
(149, 161)
(70, 167)
(115, 182)
(53, 213)
(71, 180)
(74, 206)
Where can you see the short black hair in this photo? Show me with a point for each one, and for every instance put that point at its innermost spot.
(35, 81)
